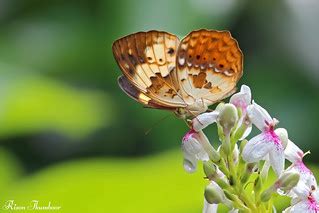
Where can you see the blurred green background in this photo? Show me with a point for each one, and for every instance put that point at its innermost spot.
(69, 135)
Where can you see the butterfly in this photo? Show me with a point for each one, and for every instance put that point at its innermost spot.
(187, 76)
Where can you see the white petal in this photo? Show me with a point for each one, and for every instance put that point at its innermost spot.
(246, 89)
(287, 210)
(301, 207)
(221, 175)
(306, 177)
(189, 163)
(259, 116)
(257, 148)
(302, 191)
(243, 98)
(203, 120)
(316, 195)
(209, 208)
(192, 147)
(277, 159)
(283, 136)
(292, 152)
(295, 199)
(310, 180)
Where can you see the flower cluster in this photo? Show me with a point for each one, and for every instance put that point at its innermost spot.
(237, 162)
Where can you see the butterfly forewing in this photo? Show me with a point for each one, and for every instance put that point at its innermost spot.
(148, 61)
(209, 64)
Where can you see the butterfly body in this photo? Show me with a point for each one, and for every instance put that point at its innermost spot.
(185, 77)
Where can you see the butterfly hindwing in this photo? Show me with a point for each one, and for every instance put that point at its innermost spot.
(209, 65)
(139, 96)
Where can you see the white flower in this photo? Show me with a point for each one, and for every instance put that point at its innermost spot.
(306, 201)
(242, 100)
(295, 155)
(269, 144)
(209, 208)
(212, 208)
(193, 151)
(203, 120)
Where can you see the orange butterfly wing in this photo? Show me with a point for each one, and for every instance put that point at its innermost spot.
(148, 62)
(209, 65)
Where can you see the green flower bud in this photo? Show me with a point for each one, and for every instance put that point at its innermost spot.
(266, 195)
(228, 117)
(220, 106)
(209, 169)
(214, 194)
(287, 181)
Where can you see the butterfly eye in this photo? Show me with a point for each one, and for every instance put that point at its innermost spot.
(170, 51)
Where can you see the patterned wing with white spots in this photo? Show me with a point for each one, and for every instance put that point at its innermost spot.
(148, 61)
(209, 65)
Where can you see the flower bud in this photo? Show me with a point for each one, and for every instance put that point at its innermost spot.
(209, 169)
(228, 117)
(266, 195)
(287, 181)
(220, 106)
(283, 136)
(191, 146)
(214, 194)
(193, 151)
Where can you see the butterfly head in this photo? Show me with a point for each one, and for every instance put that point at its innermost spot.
(191, 111)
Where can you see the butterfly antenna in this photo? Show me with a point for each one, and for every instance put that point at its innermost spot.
(155, 124)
